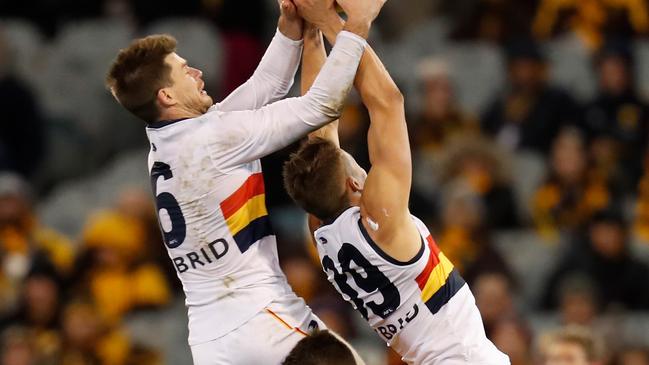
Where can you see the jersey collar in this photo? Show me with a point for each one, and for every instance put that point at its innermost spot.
(164, 123)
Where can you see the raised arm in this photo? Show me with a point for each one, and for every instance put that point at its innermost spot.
(385, 195)
(274, 76)
(245, 136)
(314, 57)
(384, 200)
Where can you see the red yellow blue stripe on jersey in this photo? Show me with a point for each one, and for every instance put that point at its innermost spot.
(245, 213)
(439, 281)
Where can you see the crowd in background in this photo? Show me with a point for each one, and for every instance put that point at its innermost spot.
(539, 195)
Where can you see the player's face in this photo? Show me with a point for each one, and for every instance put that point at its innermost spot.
(188, 85)
(566, 353)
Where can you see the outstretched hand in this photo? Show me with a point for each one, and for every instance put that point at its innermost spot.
(288, 9)
(361, 14)
(316, 12)
(290, 22)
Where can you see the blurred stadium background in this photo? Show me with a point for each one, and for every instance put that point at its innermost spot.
(529, 129)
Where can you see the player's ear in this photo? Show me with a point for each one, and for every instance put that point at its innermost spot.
(354, 185)
(166, 98)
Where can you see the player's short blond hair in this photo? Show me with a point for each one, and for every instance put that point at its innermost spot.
(139, 72)
(315, 178)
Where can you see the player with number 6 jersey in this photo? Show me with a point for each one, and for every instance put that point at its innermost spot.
(208, 185)
(379, 257)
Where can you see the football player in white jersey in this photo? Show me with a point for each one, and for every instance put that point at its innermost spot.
(377, 255)
(209, 191)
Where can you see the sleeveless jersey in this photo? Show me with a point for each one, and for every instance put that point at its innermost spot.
(417, 307)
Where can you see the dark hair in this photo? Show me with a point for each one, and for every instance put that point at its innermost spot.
(314, 177)
(139, 71)
(320, 348)
(524, 48)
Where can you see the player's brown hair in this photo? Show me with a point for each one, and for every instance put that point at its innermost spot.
(139, 71)
(320, 348)
(581, 337)
(314, 178)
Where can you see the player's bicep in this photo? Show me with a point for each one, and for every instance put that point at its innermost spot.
(387, 188)
(383, 200)
(389, 147)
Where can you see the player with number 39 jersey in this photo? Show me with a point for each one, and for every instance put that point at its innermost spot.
(379, 257)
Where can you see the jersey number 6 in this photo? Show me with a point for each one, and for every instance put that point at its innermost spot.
(176, 236)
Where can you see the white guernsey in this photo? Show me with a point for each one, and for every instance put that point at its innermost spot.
(379, 257)
(206, 176)
(207, 182)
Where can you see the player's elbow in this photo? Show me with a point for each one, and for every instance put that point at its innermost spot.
(327, 106)
(388, 98)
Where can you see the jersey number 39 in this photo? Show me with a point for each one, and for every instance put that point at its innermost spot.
(370, 281)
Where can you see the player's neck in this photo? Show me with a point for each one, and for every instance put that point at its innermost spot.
(175, 113)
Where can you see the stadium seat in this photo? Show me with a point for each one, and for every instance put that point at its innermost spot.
(570, 66)
(25, 46)
(530, 171)
(530, 257)
(74, 81)
(478, 71)
(198, 42)
(67, 207)
(641, 70)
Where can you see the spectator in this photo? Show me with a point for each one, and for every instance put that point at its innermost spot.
(39, 312)
(529, 113)
(441, 117)
(632, 356)
(604, 258)
(137, 205)
(572, 191)
(617, 120)
(464, 236)
(494, 298)
(482, 168)
(493, 20)
(22, 138)
(513, 337)
(113, 270)
(572, 346)
(641, 223)
(591, 20)
(440, 121)
(89, 341)
(23, 241)
(578, 302)
(17, 348)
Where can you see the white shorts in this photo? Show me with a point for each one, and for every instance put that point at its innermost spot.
(267, 338)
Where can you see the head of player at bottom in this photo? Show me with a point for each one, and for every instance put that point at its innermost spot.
(154, 83)
(320, 348)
